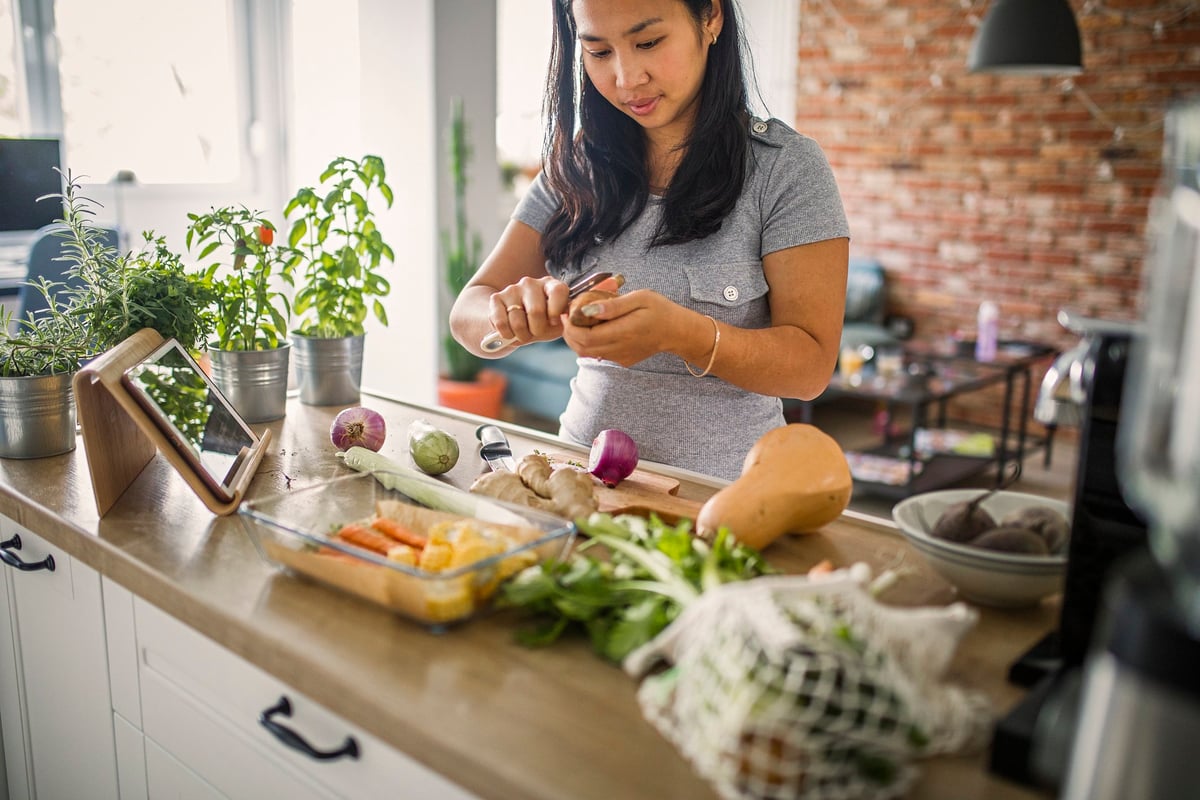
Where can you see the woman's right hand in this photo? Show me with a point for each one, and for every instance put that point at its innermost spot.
(529, 310)
(510, 296)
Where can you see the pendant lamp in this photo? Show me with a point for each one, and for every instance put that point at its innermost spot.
(1028, 37)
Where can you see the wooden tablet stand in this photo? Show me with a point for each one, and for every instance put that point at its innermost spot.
(120, 438)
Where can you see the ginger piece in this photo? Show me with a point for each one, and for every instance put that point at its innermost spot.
(508, 486)
(572, 492)
(575, 310)
(563, 491)
(604, 290)
(535, 471)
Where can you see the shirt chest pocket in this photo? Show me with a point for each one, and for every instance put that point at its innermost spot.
(738, 290)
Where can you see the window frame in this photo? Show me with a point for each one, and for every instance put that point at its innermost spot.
(258, 77)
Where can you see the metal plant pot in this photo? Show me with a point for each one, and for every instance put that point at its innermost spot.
(254, 381)
(37, 416)
(329, 371)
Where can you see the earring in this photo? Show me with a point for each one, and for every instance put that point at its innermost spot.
(714, 41)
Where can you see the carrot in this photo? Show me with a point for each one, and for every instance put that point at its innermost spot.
(392, 528)
(338, 555)
(362, 536)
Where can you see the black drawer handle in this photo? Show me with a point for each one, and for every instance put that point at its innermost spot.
(297, 742)
(12, 560)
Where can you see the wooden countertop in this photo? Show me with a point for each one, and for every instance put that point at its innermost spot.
(502, 720)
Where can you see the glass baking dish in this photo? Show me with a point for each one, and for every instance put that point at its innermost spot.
(449, 583)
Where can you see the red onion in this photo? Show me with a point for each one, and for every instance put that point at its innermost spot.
(613, 457)
(358, 427)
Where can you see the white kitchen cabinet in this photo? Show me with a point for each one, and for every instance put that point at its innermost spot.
(55, 708)
(103, 695)
(201, 708)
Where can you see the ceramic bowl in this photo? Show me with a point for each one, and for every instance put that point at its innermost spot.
(985, 577)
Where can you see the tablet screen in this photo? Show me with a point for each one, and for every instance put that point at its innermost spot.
(191, 411)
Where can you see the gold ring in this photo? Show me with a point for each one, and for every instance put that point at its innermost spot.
(514, 307)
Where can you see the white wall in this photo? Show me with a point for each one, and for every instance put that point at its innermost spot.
(397, 123)
(773, 33)
(465, 63)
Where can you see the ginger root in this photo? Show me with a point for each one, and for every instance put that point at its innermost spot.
(576, 314)
(565, 491)
(572, 492)
(507, 486)
(535, 471)
(604, 290)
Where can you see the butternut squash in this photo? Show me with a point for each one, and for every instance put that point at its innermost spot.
(794, 479)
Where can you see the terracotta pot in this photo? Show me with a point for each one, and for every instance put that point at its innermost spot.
(483, 396)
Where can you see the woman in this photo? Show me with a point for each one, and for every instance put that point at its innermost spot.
(729, 232)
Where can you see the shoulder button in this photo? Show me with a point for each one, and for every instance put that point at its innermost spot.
(760, 127)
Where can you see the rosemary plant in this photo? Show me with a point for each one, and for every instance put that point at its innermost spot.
(106, 297)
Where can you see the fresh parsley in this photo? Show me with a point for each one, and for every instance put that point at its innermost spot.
(626, 583)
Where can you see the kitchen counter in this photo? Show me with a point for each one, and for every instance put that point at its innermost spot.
(501, 720)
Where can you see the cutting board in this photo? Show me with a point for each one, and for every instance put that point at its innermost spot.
(641, 493)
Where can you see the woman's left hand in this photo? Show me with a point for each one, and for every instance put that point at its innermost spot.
(631, 327)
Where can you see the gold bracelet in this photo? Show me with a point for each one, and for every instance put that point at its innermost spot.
(711, 359)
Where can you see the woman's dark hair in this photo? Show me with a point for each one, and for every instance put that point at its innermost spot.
(599, 173)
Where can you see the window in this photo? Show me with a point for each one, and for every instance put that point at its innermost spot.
(524, 34)
(150, 87)
(10, 119)
(164, 90)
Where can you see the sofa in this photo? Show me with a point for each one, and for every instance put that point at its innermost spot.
(539, 374)
(866, 321)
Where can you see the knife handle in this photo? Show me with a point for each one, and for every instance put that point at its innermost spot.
(493, 439)
(494, 342)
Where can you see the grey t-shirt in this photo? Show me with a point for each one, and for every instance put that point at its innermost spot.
(706, 425)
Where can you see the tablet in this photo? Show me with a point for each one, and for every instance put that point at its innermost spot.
(189, 409)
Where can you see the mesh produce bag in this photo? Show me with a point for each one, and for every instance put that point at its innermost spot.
(797, 687)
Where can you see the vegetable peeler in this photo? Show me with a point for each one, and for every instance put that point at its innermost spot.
(494, 342)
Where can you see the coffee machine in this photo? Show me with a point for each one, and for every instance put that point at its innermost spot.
(1118, 714)
(1084, 386)
(1139, 714)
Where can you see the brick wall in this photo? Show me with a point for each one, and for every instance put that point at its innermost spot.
(1016, 189)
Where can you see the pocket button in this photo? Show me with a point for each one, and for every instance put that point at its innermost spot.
(731, 293)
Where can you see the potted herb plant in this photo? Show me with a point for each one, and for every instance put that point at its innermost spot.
(250, 350)
(465, 384)
(37, 363)
(338, 252)
(106, 297)
(150, 288)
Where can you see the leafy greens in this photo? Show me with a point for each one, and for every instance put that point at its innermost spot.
(650, 571)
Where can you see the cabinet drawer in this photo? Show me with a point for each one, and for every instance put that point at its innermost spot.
(236, 763)
(167, 777)
(202, 704)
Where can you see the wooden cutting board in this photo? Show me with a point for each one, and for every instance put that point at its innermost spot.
(641, 493)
